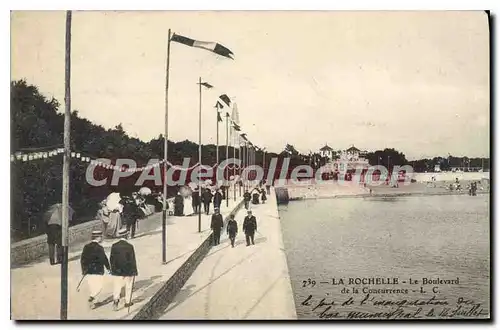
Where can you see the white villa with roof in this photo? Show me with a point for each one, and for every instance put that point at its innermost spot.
(348, 159)
(326, 151)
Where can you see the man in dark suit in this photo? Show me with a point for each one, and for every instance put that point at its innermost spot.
(123, 269)
(249, 227)
(232, 229)
(93, 261)
(206, 198)
(179, 205)
(196, 201)
(217, 199)
(216, 225)
(247, 197)
(131, 214)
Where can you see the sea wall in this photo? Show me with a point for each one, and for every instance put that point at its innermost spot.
(154, 308)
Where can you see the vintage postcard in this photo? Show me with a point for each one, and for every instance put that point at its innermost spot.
(211, 165)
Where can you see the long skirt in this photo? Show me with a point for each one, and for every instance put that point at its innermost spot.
(54, 234)
(114, 224)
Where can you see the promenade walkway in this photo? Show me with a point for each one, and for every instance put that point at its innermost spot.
(35, 287)
(241, 282)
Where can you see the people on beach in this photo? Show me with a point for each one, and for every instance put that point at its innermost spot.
(216, 225)
(206, 198)
(123, 269)
(250, 227)
(232, 229)
(93, 261)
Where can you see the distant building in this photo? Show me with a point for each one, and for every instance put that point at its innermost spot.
(350, 159)
(326, 151)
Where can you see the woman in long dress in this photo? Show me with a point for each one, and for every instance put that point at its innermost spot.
(188, 209)
(115, 208)
(114, 224)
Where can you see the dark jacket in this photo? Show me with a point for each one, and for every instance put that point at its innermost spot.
(217, 222)
(249, 224)
(122, 259)
(247, 196)
(232, 227)
(179, 201)
(217, 198)
(93, 259)
(263, 195)
(131, 212)
(206, 196)
(195, 198)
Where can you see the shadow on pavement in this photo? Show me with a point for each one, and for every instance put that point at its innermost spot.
(178, 301)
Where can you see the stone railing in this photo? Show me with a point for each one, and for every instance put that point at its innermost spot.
(34, 248)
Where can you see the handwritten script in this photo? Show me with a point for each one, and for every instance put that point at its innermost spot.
(376, 307)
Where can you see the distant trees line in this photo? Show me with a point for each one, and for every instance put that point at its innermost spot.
(35, 185)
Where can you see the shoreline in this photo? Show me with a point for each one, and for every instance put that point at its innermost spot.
(396, 194)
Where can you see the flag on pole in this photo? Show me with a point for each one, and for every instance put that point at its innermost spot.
(207, 85)
(211, 46)
(225, 99)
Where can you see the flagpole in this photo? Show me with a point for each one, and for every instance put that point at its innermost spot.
(217, 151)
(234, 166)
(199, 158)
(240, 157)
(227, 157)
(165, 146)
(66, 164)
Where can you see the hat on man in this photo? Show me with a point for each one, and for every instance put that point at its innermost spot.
(123, 232)
(96, 234)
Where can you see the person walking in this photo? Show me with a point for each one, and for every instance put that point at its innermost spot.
(246, 198)
(232, 229)
(103, 216)
(93, 261)
(206, 198)
(179, 205)
(216, 225)
(123, 269)
(131, 213)
(218, 199)
(263, 196)
(249, 227)
(195, 201)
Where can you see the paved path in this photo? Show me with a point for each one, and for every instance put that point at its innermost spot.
(35, 287)
(241, 282)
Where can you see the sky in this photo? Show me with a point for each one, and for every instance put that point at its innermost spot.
(414, 81)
